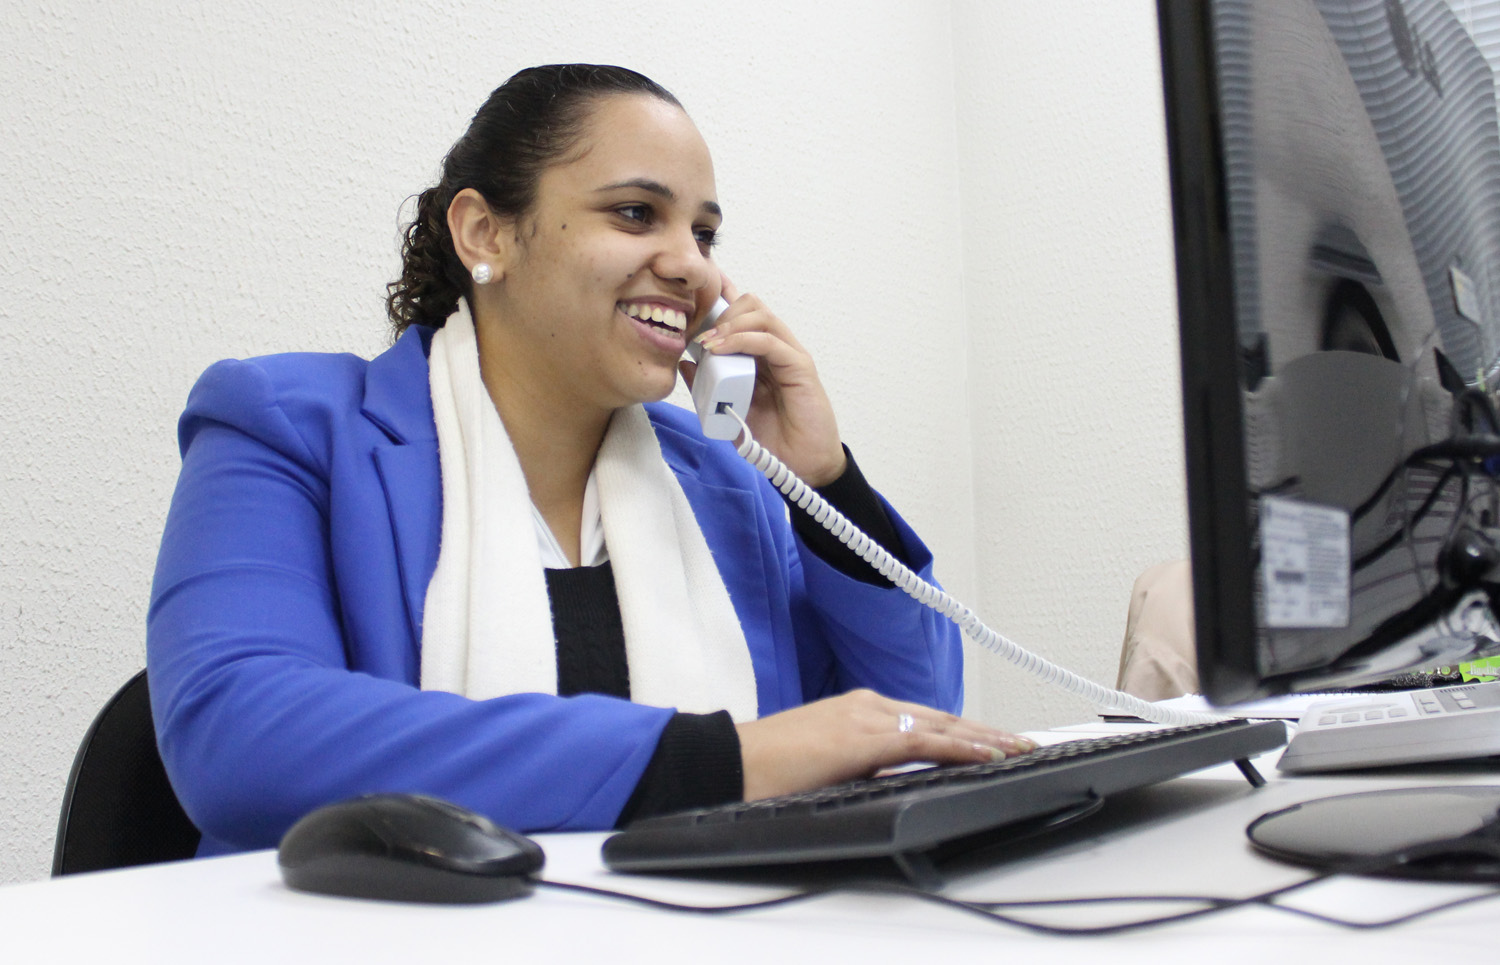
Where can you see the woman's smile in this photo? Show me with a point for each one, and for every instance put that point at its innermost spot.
(662, 326)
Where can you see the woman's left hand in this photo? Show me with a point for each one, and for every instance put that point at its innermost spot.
(790, 413)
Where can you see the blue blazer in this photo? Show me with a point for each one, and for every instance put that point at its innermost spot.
(284, 634)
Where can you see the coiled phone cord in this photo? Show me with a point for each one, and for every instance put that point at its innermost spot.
(930, 596)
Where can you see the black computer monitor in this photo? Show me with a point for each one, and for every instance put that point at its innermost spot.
(1335, 175)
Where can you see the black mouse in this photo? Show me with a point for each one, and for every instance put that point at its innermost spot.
(407, 847)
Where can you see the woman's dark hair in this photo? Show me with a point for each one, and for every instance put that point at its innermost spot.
(527, 123)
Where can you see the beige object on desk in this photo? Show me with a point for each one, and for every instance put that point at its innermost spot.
(1158, 659)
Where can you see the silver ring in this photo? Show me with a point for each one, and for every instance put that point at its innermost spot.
(906, 723)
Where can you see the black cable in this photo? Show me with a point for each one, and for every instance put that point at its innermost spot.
(980, 908)
(1407, 525)
(792, 898)
(1212, 904)
(986, 910)
(1464, 475)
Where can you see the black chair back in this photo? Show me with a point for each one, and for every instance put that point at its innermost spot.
(119, 810)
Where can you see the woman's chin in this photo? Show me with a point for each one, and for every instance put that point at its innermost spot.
(656, 395)
(651, 387)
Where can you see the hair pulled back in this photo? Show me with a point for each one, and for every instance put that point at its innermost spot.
(526, 124)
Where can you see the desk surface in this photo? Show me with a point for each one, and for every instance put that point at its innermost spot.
(1185, 836)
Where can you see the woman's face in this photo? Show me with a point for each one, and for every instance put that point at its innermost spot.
(611, 267)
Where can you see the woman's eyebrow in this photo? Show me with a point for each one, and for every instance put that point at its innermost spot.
(658, 189)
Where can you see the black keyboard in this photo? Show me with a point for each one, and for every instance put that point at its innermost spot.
(912, 814)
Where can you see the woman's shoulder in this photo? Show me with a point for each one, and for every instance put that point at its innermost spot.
(319, 379)
(269, 377)
(304, 392)
(259, 394)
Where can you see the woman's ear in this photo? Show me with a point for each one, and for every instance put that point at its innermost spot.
(479, 235)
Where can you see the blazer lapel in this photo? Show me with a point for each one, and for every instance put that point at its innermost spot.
(732, 520)
(398, 401)
(729, 516)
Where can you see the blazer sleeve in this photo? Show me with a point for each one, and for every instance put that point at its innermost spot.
(270, 700)
(813, 630)
(875, 636)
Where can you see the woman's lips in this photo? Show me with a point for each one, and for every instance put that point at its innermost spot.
(656, 314)
(661, 335)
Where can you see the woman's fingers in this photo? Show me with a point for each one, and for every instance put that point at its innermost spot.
(856, 734)
(922, 734)
(965, 732)
(746, 314)
(777, 351)
(790, 413)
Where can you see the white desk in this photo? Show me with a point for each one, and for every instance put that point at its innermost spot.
(1182, 837)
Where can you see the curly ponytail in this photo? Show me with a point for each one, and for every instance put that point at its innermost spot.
(427, 292)
(525, 125)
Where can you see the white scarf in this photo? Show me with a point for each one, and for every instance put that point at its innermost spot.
(487, 624)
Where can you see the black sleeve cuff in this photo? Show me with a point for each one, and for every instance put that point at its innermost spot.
(852, 496)
(696, 765)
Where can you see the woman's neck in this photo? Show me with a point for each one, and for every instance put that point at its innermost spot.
(556, 440)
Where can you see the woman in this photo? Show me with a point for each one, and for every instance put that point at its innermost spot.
(477, 567)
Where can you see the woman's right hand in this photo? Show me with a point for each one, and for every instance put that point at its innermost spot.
(854, 735)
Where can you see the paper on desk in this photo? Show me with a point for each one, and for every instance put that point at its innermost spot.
(1287, 707)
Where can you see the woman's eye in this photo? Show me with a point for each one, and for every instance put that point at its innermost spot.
(707, 237)
(635, 212)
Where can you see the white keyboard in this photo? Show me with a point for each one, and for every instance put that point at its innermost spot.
(1406, 727)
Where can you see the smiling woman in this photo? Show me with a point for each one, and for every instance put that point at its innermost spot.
(490, 566)
(617, 240)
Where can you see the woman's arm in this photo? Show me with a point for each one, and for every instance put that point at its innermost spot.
(893, 662)
(283, 665)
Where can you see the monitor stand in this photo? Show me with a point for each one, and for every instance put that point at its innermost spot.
(1430, 833)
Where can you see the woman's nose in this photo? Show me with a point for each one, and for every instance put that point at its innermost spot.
(683, 259)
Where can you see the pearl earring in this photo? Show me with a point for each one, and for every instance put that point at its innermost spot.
(482, 273)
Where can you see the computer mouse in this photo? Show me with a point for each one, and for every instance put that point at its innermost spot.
(407, 847)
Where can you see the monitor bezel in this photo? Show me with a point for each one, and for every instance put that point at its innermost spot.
(1218, 525)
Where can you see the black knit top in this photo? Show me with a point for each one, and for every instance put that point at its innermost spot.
(697, 759)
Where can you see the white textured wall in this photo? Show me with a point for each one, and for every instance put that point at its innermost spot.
(1073, 368)
(180, 183)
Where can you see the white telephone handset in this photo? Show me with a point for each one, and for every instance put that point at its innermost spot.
(722, 382)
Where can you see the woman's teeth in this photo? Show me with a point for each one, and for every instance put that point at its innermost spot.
(666, 317)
